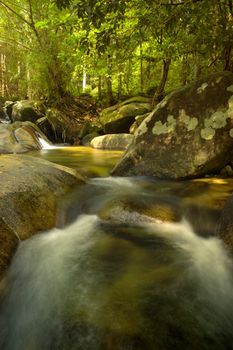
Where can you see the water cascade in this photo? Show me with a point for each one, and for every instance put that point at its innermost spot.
(128, 281)
(46, 145)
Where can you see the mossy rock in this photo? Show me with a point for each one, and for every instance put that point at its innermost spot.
(119, 118)
(27, 110)
(138, 121)
(189, 134)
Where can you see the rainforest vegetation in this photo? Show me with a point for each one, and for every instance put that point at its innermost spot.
(110, 49)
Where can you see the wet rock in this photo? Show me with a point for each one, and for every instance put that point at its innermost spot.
(8, 245)
(7, 108)
(189, 134)
(112, 141)
(139, 209)
(225, 225)
(44, 125)
(119, 118)
(27, 110)
(20, 137)
(29, 195)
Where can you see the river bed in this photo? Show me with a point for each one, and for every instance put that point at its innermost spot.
(133, 264)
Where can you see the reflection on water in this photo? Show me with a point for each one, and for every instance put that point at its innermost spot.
(134, 265)
(88, 161)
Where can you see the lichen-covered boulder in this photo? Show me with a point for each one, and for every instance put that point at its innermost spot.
(20, 137)
(189, 134)
(26, 110)
(112, 141)
(138, 120)
(119, 118)
(29, 195)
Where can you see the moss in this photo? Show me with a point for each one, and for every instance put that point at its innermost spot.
(207, 133)
(231, 133)
(159, 128)
(230, 88)
(165, 128)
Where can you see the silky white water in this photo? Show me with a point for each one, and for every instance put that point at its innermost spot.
(102, 284)
(47, 146)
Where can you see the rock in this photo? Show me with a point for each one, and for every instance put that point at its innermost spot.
(8, 245)
(20, 137)
(86, 141)
(44, 125)
(189, 134)
(27, 111)
(31, 189)
(90, 128)
(119, 118)
(138, 120)
(138, 209)
(7, 108)
(225, 226)
(227, 171)
(66, 128)
(112, 141)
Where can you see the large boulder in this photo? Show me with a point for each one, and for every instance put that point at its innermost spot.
(20, 137)
(112, 141)
(27, 111)
(189, 133)
(225, 225)
(31, 189)
(119, 118)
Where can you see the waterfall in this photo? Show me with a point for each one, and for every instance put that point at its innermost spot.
(93, 284)
(45, 145)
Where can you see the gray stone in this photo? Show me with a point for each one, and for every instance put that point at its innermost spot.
(112, 141)
(30, 191)
(20, 137)
(189, 133)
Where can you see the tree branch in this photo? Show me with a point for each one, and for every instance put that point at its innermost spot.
(32, 25)
(15, 13)
(24, 20)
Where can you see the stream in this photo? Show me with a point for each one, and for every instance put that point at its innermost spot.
(133, 264)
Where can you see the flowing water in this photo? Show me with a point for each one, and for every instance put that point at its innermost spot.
(132, 265)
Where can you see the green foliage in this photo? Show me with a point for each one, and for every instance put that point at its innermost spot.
(122, 45)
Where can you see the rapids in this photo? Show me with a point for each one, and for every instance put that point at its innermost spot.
(114, 275)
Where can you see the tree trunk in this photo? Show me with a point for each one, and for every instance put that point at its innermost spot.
(99, 87)
(228, 61)
(159, 94)
(141, 68)
(3, 75)
(109, 90)
(109, 82)
(184, 70)
(84, 80)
